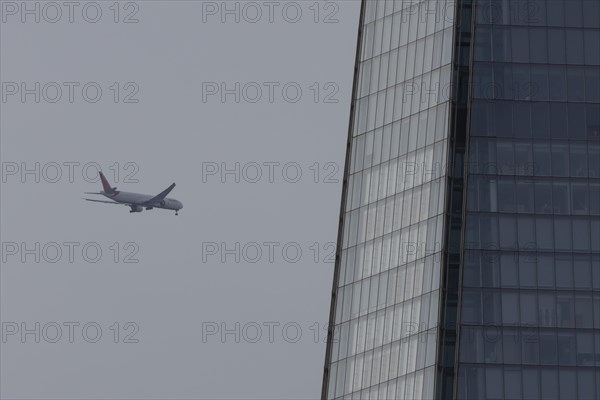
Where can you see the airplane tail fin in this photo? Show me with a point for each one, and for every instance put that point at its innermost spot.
(105, 184)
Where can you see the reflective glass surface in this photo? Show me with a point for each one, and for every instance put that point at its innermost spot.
(530, 312)
(386, 309)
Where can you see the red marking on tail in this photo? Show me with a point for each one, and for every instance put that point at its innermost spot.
(105, 185)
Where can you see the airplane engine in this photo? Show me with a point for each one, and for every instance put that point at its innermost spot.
(136, 209)
(162, 203)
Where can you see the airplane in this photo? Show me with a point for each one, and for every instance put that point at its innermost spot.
(136, 201)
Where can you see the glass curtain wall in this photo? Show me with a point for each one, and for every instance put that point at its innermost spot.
(387, 291)
(530, 316)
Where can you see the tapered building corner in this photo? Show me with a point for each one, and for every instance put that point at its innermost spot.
(469, 245)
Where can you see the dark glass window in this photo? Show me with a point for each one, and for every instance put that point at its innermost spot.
(592, 121)
(562, 233)
(558, 120)
(574, 41)
(527, 273)
(507, 231)
(531, 383)
(539, 83)
(548, 351)
(539, 120)
(585, 384)
(511, 343)
(494, 383)
(577, 121)
(547, 310)
(560, 160)
(483, 45)
(524, 197)
(544, 233)
(579, 160)
(492, 308)
(505, 158)
(582, 272)
(594, 200)
(584, 311)
(506, 195)
(522, 119)
(581, 235)
(538, 45)
(564, 272)
(592, 44)
(585, 350)
(549, 375)
(543, 197)
(557, 83)
(501, 44)
(592, 84)
(520, 45)
(512, 383)
(576, 83)
(560, 198)
(504, 119)
(565, 311)
(471, 307)
(573, 13)
(567, 349)
(509, 272)
(556, 46)
(568, 382)
(555, 12)
(591, 14)
(522, 88)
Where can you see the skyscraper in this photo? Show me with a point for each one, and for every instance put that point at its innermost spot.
(469, 246)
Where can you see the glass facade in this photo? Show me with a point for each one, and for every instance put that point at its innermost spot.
(530, 316)
(387, 288)
(480, 282)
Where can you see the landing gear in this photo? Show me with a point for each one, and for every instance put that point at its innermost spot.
(176, 212)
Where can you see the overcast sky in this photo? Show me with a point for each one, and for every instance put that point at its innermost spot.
(144, 101)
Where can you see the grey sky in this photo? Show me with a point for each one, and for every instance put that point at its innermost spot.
(167, 136)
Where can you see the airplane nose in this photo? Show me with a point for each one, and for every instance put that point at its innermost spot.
(180, 204)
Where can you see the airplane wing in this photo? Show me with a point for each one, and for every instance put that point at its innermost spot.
(160, 196)
(109, 202)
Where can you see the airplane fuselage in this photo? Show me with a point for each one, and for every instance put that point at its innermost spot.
(139, 200)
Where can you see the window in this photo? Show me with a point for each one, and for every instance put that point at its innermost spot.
(539, 120)
(577, 121)
(506, 195)
(556, 51)
(544, 232)
(524, 197)
(560, 198)
(576, 83)
(541, 157)
(564, 272)
(567, 349)
(562, 233)
(574, 41)
(543, 197)
(547, 311)
(557, 83)
(538, 45)
(548, 351)
(522, 119)
(560, 160)
(558, 120)
(520, 45)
